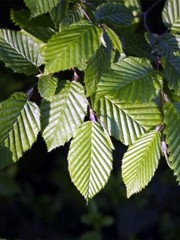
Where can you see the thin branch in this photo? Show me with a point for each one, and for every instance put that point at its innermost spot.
(147, 12)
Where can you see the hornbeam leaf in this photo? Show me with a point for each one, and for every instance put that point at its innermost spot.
(59, 12)
(140, 162)
(40, 27)
(71, 47)
(115, 39)
(171, 15)
(130, 79)
(47, 86)
(168, 44)
(172, 73)
(127, 122)
(96, 66)
(63, 114)
(39, 7)
(19, 124)
(114, 14)
(172, 129)
(20, 52)
(90, 159)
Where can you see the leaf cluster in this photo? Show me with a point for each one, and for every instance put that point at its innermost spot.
(125, 84)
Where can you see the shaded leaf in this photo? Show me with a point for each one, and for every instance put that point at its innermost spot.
(172, 129)
(114, 14)
(63, 114)
(115, 39)
(172, 74)
(90, 159)
(140, 162)
(39, 7)
(71, 47)
(19, 124)
(40, 27)
(127, 122)
(20, 52)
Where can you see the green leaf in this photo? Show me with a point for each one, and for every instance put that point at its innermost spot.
(40, 27)
(73, 16)
(172, 121)
(20, 52)
(19, 124)
(130, 79)
(127, 122)
(172, 74)
(47, 86)
(90, 159)
(114, 39)
(72, 47)
(39, 7)
(135, 44)
(168, 44)
(63, 114)
(140, 162)
(114, 14)
(171, 15)
(98, 64)
(59, 12)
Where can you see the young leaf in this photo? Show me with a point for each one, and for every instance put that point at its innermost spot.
(172, 121)
(171, 15)
(20, 52)
(40, 27)
(140, 162)
(90, 159)
(127, 122)
(63, 114)
(71, 47)
(47, 86)
(39, 7)
(114, 14)
(130, 79)
(19, 124)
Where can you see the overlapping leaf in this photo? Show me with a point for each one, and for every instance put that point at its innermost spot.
(19, 124)
(172, 121)
(20, 52)
(171, 15)
(40, 27)
(59, 12)
(140, 162)
(96, 66)
(168, 44)
(131, 79)
(114, 39)
(90, 159)
(72, 47)
(172, 74)
(114, 14)
(47, 86)
(127, 122)
(39, 7)
(63, 113)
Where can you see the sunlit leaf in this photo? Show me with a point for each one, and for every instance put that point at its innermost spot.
(19, 124)
(63, 114)
(90, 159)
(140, 162)
(47, 86)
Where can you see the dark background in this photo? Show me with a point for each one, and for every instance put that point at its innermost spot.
(38, 200)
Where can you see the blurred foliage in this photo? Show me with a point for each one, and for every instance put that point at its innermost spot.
(38, 200)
